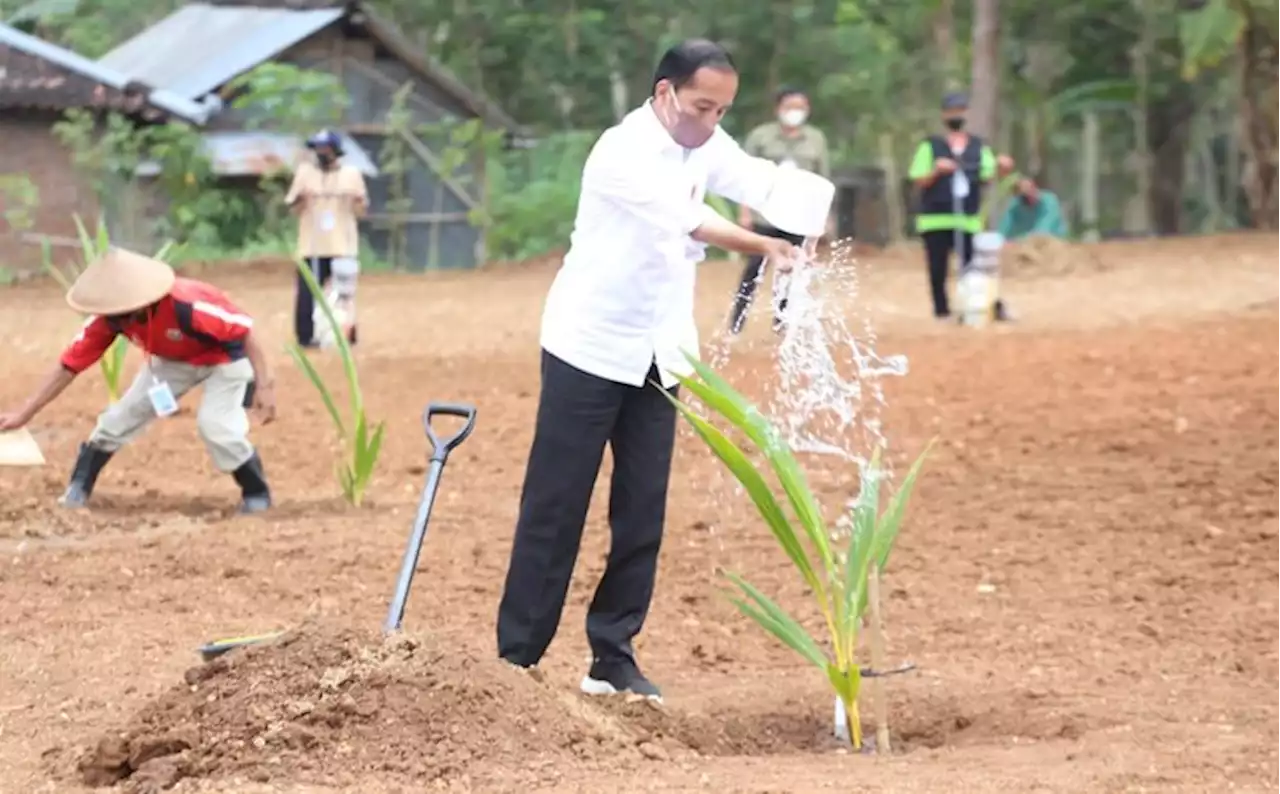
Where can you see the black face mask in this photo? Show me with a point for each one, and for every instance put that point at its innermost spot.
(954, 124)
(325, 159)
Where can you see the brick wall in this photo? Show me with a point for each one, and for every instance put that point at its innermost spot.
(28, 146)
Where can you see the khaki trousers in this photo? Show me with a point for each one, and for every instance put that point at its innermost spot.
(221, 420)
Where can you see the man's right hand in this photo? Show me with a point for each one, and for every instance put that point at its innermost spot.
(744, 218)
(944, 165)
(13, 421)
(782, 254)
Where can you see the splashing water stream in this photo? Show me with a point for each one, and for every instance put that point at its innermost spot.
(824, 393)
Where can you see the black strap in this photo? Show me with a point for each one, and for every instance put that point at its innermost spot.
(183, 312)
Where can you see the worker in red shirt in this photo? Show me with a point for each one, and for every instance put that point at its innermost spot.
(192, 335)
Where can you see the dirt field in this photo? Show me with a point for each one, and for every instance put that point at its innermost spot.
(1087, 579)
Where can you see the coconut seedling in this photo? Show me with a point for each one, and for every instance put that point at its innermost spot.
(92, 247)
(837, 571)
(360, 442)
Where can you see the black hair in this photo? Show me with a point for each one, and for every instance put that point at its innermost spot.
(788, 91)
(680, 63)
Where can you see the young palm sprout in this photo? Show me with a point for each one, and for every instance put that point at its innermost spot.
(360, 446)
(838, 578)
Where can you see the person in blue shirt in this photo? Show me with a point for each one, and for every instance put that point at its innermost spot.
(1033, 211)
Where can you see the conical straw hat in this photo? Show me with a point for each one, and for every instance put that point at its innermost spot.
(120, 282)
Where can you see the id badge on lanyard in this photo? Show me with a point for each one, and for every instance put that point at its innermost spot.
(161, 397)
(163, 402)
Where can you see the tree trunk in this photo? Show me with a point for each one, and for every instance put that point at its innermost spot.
(985, 75)
(944, 42)
(1171, 114)
(1033, 129)
(1090, 145)
(1258, 107)
(894, 200)
(1169, 136)
(1231, 188)
(1140, 56)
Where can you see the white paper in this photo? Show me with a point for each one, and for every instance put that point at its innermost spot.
(19, 448)
(327, 222)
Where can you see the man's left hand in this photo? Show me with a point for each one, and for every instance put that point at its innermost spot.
(264, 403)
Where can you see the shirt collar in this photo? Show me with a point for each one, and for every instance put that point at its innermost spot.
(647, 116)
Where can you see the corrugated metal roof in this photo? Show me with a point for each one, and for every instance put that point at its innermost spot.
(199, 47)
(254, 153)
(101, 73)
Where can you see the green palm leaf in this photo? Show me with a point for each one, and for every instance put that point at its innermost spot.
(777, 622)
(756, 488)
(360, 449)
(839, 587)
(722, 398)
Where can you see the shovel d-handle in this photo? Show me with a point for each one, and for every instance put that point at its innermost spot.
(441, 447)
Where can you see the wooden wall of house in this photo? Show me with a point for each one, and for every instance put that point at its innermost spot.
(436, 231)
(28, 146)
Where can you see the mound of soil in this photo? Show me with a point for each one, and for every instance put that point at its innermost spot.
(339, 706)
(1048, 256)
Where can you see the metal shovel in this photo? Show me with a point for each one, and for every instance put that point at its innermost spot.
(440, 449)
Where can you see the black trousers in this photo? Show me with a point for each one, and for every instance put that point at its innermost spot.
(938, 247)
(747, 284)
(578, 414)
(304, 305)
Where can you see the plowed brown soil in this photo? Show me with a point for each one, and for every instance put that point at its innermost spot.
(1087, 581)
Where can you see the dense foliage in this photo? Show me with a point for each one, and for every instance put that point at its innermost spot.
(1140, 119)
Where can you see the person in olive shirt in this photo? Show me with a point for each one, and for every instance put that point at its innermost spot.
(951, 171)
(791, 142)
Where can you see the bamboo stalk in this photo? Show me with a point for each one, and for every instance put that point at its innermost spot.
(879, 698)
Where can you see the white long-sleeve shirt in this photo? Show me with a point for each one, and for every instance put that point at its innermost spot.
(623, 298)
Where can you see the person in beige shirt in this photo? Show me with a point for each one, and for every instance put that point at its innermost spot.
(791, 142)
(328, 197)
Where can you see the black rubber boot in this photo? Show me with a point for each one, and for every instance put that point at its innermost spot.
(83, 476)
(255, 495)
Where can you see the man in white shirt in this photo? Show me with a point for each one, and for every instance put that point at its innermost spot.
(617, 319)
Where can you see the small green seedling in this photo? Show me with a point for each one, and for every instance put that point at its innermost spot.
(360, 446)
(838, 578)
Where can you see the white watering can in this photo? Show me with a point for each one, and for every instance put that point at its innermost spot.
(799, 203)
(977, 288)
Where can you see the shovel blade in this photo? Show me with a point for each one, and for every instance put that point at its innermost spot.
(214, 649)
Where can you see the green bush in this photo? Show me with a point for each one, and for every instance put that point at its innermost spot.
(534, 195)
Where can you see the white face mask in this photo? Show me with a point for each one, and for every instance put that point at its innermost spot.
(793, 117)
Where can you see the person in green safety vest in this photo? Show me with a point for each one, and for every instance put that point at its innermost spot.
(950, 171)
(1033, 211)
